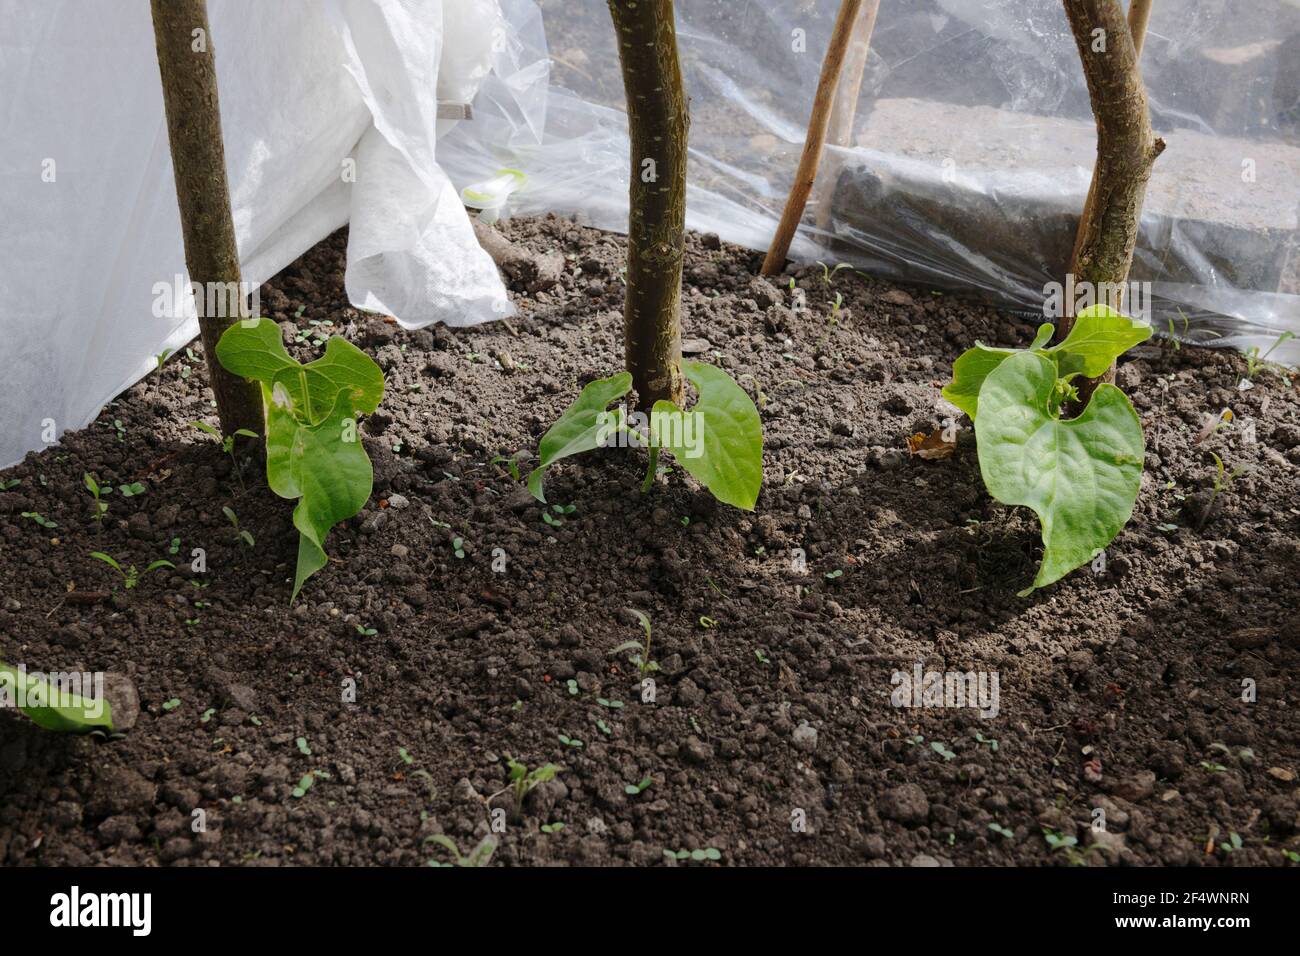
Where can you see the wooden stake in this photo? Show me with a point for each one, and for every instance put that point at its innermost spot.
(844, 111)
(657, 124)
(816, 139)
(1139, 12)
(1126, 151)
(189, 85)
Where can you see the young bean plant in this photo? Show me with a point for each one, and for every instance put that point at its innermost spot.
(1081, 475)
(313, 451)
(719, 441)
(52, 706)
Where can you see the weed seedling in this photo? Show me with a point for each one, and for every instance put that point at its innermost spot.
(635, 789)
(245, 538)
(570, 741)
(7, 483)
(707, 855)
(228, 442)
(131, 577)
(552, 827)
(1233, 845)
(1256, 362)
(365, 631)
(641, 659)
(481, 855)
(101, 507)
(40, 519)
(1223, 479)
(524, 781)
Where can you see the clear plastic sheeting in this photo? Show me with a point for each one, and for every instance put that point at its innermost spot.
(329, 114)
(970, 152)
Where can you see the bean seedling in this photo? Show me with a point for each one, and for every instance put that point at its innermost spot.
(313, 451)
(1080, 475)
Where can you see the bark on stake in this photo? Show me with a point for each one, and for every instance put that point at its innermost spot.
(656, 236)
(189, 85)
(1139, 12)
(812, 147)
(844, 109)
(1126, 150)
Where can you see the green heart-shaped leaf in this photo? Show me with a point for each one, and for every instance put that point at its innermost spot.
(720, 440)
(313, 451)
(253, 348)
(975, 364)
(579, 428)
(1098, 337)
(52, 708)
(1081, 476)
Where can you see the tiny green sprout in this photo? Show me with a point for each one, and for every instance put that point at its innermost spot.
(1058, 842)
(1212, 767)
(686, 521)
(1291, 855)
(207, 715)
(227, 442)
(634, 789)
(942, 749)
(307, 781)
(552, 827)
(1255, 362)
(641, 659)
(564, 509)
(130, 576)
(553, 522)
(131, 490)
(405, 755)
(255, 720)
(365, 631)
(832, 575)
(707, 855)
(1001, 830)
(915, 740)
(612, 704)
(836, 305)
(161, 358)
(707, 623)
(987, 741)
(480, 856)
(603, 727)
(523, 781)
(93, 486)
(120, 429)
(303, 747)
(511, 463)
(8, 483)
(174, 547)
(570, 741)
(40, 519)
(170, 705)
(1234, 843)
(458, 548)
(245, 538)
(761, 657)
(1223, 480)
(572, 686)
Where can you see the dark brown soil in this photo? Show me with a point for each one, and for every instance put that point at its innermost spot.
(1120, 691)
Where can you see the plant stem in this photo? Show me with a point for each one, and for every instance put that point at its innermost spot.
(651, 470)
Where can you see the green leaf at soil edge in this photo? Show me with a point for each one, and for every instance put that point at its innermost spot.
(1081, 476)
(729, 459)
(579, 428)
